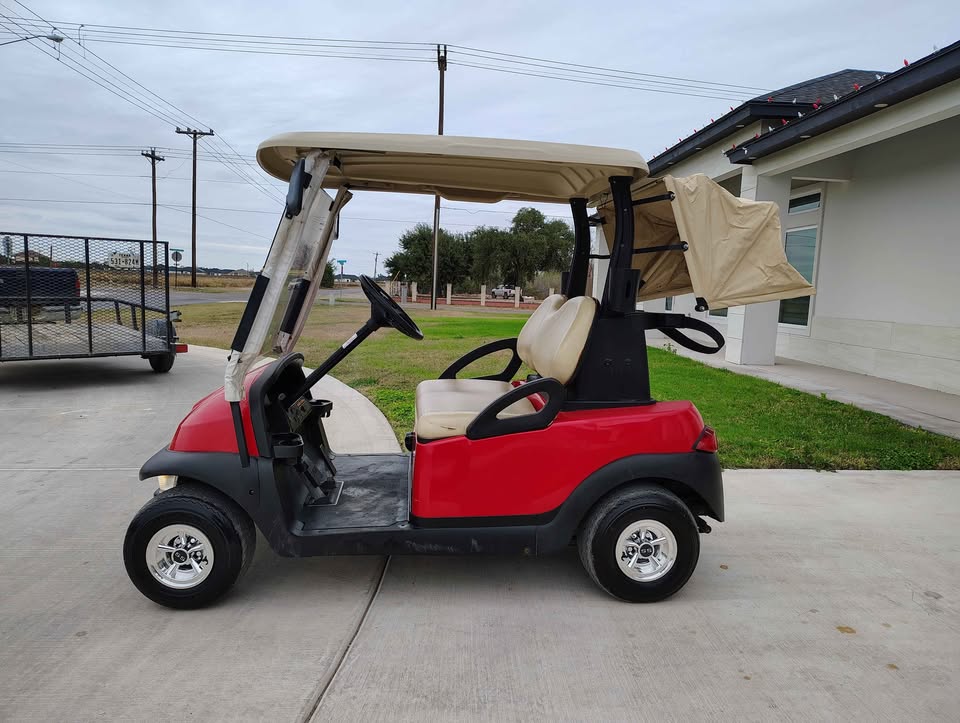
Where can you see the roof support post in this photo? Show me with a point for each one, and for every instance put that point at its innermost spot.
(576, 282)
(752, 330)
(620, 293)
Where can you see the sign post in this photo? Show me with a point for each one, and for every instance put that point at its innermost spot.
(342, 280)
(177, 256)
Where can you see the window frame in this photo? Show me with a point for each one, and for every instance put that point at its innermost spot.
(801, 221)
(801, 193)
(816, 253)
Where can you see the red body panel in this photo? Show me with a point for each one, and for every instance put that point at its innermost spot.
(534, 472)
(208, 427)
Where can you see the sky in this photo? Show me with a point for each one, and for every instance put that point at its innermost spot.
(246, 98)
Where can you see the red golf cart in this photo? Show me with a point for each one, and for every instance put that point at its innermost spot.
(575, 452)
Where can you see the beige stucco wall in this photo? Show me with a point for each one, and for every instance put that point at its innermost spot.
(888, 273)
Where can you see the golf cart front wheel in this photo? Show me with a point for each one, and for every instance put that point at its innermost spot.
(162, 363)
(640, 544)
(186, 547)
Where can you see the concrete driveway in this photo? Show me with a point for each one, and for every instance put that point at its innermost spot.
(824, 596)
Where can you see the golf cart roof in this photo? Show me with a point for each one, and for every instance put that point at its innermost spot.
(457, 168)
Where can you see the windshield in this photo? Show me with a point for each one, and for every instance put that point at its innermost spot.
(309, 260)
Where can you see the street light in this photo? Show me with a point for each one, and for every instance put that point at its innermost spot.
(54, 37)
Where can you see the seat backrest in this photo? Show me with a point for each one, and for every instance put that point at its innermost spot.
(552, 340)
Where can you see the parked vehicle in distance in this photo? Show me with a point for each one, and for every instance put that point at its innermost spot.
(54, 288)
(504, 291)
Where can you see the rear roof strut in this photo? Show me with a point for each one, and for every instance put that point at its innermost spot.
(575, 283)
(620, 292)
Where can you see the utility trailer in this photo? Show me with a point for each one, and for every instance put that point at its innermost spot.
(69, 297)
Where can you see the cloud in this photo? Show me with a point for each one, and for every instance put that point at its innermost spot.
(247, 98)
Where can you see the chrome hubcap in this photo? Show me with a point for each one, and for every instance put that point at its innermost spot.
(179, 556)
(646, 550)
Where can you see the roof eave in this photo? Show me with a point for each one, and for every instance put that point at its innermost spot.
(738, 118)
(924, 75)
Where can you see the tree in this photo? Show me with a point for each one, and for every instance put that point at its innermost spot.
(414, 260)
(532, 245)
(487, 254)
(519, 257)
(326, 281)
(486, 243)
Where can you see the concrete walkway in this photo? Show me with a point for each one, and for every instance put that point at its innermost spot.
(77, 641)
(916, 406)
(823, 597)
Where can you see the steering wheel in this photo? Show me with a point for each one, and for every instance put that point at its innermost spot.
(387, 312)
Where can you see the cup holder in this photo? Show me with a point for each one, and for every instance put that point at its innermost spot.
(287, 447)
(321, 407)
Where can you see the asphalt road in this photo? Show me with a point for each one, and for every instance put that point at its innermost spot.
(824, 596)
(182, 297)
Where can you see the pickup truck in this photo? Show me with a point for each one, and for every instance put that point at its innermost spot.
(54, 288)
(504, 291)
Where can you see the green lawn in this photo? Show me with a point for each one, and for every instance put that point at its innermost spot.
(760, 424)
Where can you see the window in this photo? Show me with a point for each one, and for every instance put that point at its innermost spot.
(801, 249)
(809, 202)
(718, 312)
(668, 303)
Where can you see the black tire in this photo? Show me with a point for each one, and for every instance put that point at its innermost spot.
(228, 528)
(598, 537)
(162, 363)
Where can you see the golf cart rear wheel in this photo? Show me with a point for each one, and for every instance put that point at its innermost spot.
(162, 363)
(186, 547)
(640, 544)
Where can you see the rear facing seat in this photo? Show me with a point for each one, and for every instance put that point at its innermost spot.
(551, 343)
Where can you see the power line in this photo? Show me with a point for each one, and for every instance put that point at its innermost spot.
(180, 207)
(601, 68)
(117, 193)
(178, 153)
(131, 175)
(128, 90)
(412, 52)
(284, 38)
(455, 209)
(121, 150)
(582, 81)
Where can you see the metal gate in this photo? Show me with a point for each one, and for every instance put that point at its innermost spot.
(72, 296)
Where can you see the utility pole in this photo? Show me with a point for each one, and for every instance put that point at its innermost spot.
(442, 67)
(193, 214)
(154, 159)
(376, 258)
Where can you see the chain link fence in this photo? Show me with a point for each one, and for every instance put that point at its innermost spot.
(70, 296)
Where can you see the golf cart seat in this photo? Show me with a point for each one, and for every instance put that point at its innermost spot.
(551, 343)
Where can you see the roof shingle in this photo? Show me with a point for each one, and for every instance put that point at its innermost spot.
(824, 87)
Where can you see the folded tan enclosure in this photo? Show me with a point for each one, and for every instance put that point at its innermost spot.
(735, 250)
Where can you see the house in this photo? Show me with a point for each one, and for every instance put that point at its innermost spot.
(35, 257)
(865, 167)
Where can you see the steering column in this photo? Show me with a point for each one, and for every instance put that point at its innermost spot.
(384, 312)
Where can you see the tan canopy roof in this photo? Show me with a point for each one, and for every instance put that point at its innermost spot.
(458, 168)
(735, 253)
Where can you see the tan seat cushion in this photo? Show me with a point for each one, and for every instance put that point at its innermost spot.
(445, 407)
(551, 342)
(553, 338)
